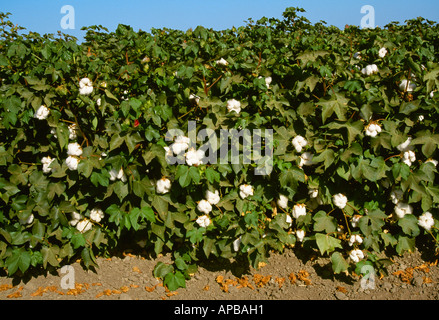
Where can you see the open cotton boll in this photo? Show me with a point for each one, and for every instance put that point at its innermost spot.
(180, 145)
(163, 185)
(370, 69)
(72, 162)
(373, 129)
(234, 105)
(96, 215)
(407, 86)
(282, 201)
(204, 206)
(194, 98)
(299, 210)
(396, 195)
(42, 113)
(84, 225)
(355, 238)
(357, 55)
(340, 200)
(212, 197)
(409, 157)
(85, 86)
(47, 161)
(236, 244)
(194, 157)
(245, 190)
(402, 208)
(299, 142)
(300, 235)
(222, 62)
(306, 159)
(426, 221)
(73, 129)
(355, 220)
(203, 221)
(74, 149)
(382, 53)
(405, 145)
(356, 255)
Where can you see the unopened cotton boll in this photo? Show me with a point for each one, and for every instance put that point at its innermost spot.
(74, 149)
(47, 161)
(245, 190)
(356, 255)
(282, 201)
(96, 215)
(72, 162)
(234, 105)
(163, 185)
(407, 86)
(409, 157)
(212, 197)
(382, 53)
(85, 86)
(299, 210)
(402, 208)
(340, 200)
(300, 235)
(204, 206)
(299, 142)
(42, 113)
(203, 221)
(426, 221)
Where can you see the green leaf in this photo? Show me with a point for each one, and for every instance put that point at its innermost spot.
(337, 104)
(405, 244)
(162, 269)
(327, 243)
(175, 280)
(78, 240)
(324, 222)
(115, 213)
(339, 264)
(212, 175)
(409, 225)
(50, 256)
(20, 259)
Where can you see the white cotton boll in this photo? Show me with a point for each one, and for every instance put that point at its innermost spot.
(47, 161)
(340, 200)
(84, 225)
(194, 98)
(236, 244)
(432, 94)
(357, 55)
(282, 201)
(407, 86)
(85, 86)
(405, 145)
(73, 131)
(245, 190)
(181, 144)
(313, 192)
(382, 53)
(396, 195)
(203, 221)
(299, 210)
(373, 129)
(421, 118)
(299, 142)
(426, 221)
(409, 157)
(306, 159)
(194, 157)
(72, 162)
(222, 62)
(234, 105)
(370, 69)
(96, 215)
(212, 197)
(300, 235)
(355, 220)
(356, 255)
(99, 102)
(288, 220)
(434, 162)
(402, 208)
(355, 238)
(75, 218)
(163, 185)
(28, 220)
(204, 206)
(42, 113)
(74, 149)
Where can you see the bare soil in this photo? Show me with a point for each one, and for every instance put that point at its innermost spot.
(289, 276)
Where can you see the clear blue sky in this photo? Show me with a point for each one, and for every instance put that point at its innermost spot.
(44, 16)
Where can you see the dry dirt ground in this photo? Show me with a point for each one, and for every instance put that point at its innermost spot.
(286, 276)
